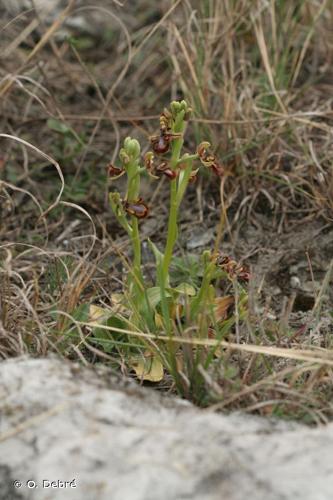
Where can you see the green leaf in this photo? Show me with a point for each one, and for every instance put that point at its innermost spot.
(81, 313)
(154, 296)
(82, 42)
(157, 254)
(58, 126)
(185, 289)
(160, 279)
(106, 337)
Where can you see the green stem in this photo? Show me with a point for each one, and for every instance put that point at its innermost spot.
(173, 213)
(136, 244)
(199, 303)
(172, 231)
(188, 158)
(132, 196)
(183, 181)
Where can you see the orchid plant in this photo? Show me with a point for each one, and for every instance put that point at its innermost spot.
(166, 310)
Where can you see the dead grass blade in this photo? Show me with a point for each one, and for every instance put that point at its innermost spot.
(48, 158)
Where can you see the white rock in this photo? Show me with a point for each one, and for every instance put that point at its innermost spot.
(86, 17)
(118, 442)
(42, 6)
(295, 282)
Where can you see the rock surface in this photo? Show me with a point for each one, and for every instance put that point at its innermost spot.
(114, 441)
(82, 18)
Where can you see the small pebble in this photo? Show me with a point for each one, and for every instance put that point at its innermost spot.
(295, 282)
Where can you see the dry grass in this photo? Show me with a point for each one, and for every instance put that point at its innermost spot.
(258, 75)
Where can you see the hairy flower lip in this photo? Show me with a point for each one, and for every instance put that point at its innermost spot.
(156, 171)
(137, 208)
(208, 159)
(165, 169)
(161, 143)
(114, 172)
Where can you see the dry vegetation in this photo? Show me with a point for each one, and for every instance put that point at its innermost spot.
(258, 75)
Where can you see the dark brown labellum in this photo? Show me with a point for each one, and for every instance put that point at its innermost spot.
(170, 174)
(160, 144)
(164, 169)
(138, 209)
(208, 159)
(114, 171)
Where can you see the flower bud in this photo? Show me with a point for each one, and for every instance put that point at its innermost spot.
(132, 148)
(116, 203)
(124, 158)
(149, 160)
(175, 107)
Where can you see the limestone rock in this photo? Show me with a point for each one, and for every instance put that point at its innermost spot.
(112, 440)
(83, 17)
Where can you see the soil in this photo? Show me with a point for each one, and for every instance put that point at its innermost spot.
(291, 267)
